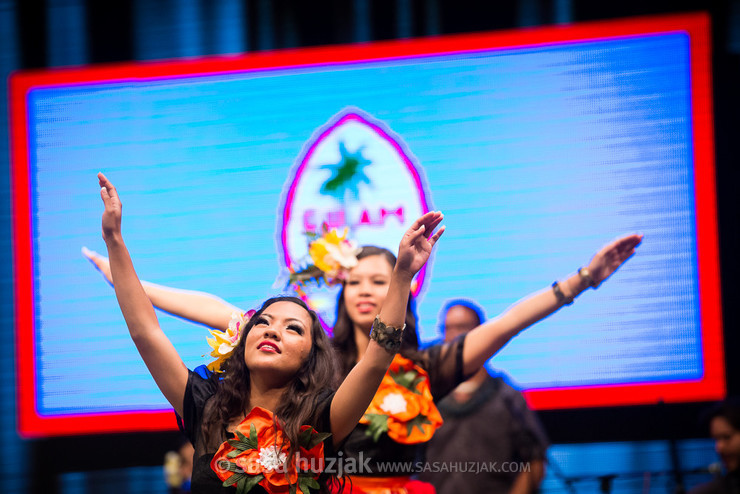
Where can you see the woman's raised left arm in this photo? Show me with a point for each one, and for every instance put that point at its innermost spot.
(358, 388)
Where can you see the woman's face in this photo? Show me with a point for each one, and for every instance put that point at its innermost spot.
(280, 340)
(365, 290)
(726, 442)
(459, 320)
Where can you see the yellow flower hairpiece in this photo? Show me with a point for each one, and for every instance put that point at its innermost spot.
(332, 255)
(224, 342)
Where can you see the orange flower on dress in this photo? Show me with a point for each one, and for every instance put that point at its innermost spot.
(258, 454)
(403, 407)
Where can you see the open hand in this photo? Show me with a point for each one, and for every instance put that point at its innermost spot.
(612, 256)
(112, 213)
(416, 244)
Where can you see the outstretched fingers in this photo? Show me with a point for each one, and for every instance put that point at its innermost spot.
(422, 220)
(613, 256)
(434, 223)
(105, 196)
(91, 255)
(430, 221)
(415, 235)
(111, 221)
(417, 242)
(107, 190)
(103, 180)
(625, 246)
(629, 243)
(424, 226)
(435, 237)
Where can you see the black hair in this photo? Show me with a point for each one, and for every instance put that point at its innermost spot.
(479, 312)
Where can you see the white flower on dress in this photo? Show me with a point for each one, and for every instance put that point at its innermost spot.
(271, 458)
(393, 403)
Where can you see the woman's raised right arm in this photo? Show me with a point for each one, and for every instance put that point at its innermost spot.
(158, 353)
(487, 339)
(199, 307)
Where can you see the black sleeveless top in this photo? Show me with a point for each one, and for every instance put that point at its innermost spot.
(198, 397)
(444, 365)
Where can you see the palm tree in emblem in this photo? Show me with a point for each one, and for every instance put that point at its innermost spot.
(346, 175)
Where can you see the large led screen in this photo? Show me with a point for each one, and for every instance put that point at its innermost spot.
(539, 145)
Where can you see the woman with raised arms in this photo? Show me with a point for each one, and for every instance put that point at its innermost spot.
(267, 420)
(402, 414)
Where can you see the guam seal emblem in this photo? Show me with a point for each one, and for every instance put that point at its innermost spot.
(354, 172)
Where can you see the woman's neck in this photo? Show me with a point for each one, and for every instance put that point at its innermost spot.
(265, 394)
(362, 338)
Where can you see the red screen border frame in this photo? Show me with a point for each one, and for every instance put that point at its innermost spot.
(711, 386)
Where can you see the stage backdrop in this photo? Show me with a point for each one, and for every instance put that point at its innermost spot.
(539, 146)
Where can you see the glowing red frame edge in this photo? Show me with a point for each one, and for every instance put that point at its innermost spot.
(697, 25)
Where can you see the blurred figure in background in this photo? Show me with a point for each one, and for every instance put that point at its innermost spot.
(178, 468)
(486, 422)
(724, 427)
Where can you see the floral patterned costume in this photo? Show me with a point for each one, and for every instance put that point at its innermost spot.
(254, 456)
(401, 419)
(410, 417)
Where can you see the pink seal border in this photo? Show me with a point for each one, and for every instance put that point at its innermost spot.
(345, 116)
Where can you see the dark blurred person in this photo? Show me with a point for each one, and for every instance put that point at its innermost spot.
(490, 440)
(724, 427)
(178, 468)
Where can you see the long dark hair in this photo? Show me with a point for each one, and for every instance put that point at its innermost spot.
(299, 405)
(343, 339)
